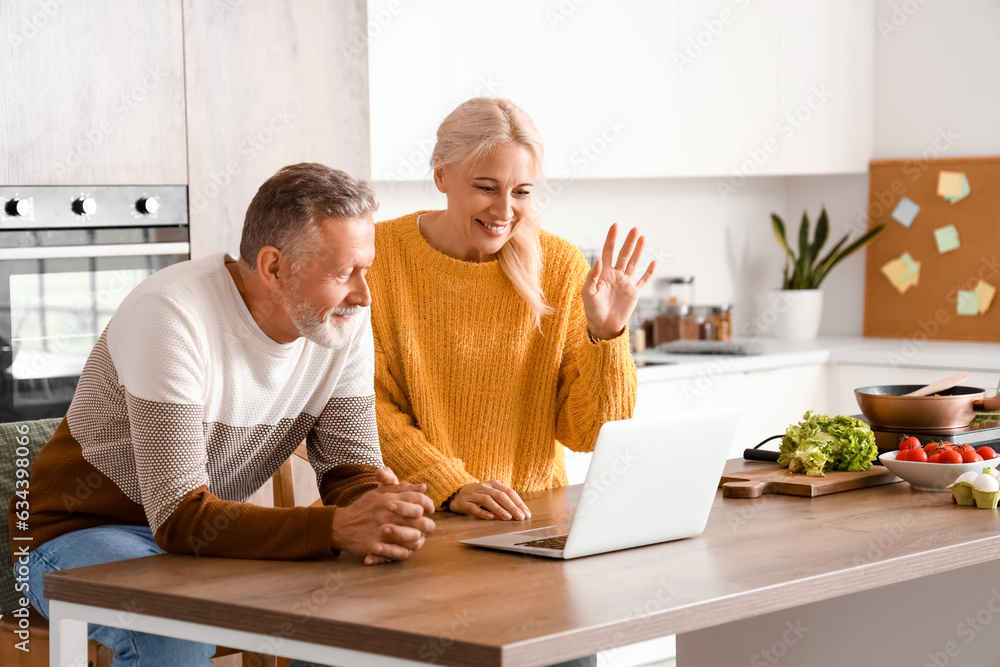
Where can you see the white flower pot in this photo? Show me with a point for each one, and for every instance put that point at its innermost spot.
(797, 313)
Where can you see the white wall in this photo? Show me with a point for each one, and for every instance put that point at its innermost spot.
(938, 72)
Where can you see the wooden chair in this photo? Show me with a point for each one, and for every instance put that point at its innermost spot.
(101, 656)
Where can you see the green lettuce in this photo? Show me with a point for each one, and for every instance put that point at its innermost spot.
(819, 443)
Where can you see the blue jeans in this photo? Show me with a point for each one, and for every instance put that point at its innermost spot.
(106, 544)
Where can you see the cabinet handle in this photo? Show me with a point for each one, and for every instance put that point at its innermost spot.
(110, 250)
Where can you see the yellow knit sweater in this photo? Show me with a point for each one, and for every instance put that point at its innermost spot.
(467, 388)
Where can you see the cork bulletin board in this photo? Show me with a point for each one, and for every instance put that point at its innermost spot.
(933, 269)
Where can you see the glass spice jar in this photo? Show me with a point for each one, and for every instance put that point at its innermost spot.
(703, 320)
(636, 333)
(722, 321)
(675, 290)
(674, 323)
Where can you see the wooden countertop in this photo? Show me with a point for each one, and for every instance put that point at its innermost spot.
(456, 605)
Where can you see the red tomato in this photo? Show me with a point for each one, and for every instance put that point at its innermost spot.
(909, 443)
(970, 457)
(986, 452)
(917, 455)
(935, 456)
(950, 456)
(903, 455)
(931, 447)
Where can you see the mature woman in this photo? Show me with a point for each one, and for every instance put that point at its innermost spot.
(495, 343)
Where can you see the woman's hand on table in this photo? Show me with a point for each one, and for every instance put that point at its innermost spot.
(488, 500)
(609, 295)
(387, 523)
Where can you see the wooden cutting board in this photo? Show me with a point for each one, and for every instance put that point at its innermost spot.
(744, 479)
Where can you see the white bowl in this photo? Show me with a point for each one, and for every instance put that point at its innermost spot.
(931, 476)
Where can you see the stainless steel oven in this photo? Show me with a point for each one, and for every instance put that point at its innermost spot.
(68, 257)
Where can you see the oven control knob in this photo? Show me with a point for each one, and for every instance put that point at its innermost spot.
(19, 207)
(149, 205)
(84, 206)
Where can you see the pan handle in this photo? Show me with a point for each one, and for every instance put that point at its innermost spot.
(991, 404)
(758, 454)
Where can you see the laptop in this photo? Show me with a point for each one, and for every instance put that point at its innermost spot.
(671, 463)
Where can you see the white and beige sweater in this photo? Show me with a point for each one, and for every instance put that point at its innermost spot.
(185, 408)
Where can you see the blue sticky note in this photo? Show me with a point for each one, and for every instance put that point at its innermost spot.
(906, 210)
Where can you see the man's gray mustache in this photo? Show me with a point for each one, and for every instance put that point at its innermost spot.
(347, 311)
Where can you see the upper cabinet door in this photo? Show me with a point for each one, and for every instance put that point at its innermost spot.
(269, 84)
(518, 50)
(636, 88)
(425, 63)
(93, 93)
(827, 86)
(408, 65)
(625, 105)
(728, 68)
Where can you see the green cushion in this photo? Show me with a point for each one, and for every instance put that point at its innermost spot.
(33, 435)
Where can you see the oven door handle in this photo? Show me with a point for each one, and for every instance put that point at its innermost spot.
(87, 251)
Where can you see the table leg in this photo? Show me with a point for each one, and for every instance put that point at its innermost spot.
(67, 639)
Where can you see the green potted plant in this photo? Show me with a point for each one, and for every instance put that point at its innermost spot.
(799, 302)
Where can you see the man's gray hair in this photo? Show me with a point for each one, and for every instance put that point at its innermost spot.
(288, 207)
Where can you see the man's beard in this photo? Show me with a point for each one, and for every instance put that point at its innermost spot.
(324, 332)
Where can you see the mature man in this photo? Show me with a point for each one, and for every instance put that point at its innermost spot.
(207, 378)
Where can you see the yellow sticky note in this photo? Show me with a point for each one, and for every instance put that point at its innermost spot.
(985, 293)
(950, 183)
(964, 190)
(903, 272)
(947, 238)
(968, 303)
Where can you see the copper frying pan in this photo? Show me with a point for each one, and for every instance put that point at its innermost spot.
(952, 409)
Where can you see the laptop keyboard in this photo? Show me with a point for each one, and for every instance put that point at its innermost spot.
(558, 542)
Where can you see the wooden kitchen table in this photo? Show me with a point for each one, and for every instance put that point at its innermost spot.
(454, 605)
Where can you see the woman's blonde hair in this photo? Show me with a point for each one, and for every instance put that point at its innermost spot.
(471, 132)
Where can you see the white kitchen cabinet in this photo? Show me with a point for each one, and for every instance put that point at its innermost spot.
(727, 62)
(268, 85)
(634, 89)
(514, 51)
(93, 93)
(845, 378)
(826, 86)
(770, 399)
(408, 61)
(424, 63)
(623, 105)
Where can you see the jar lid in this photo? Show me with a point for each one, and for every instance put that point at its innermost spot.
(722, 308)
(676, 309)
